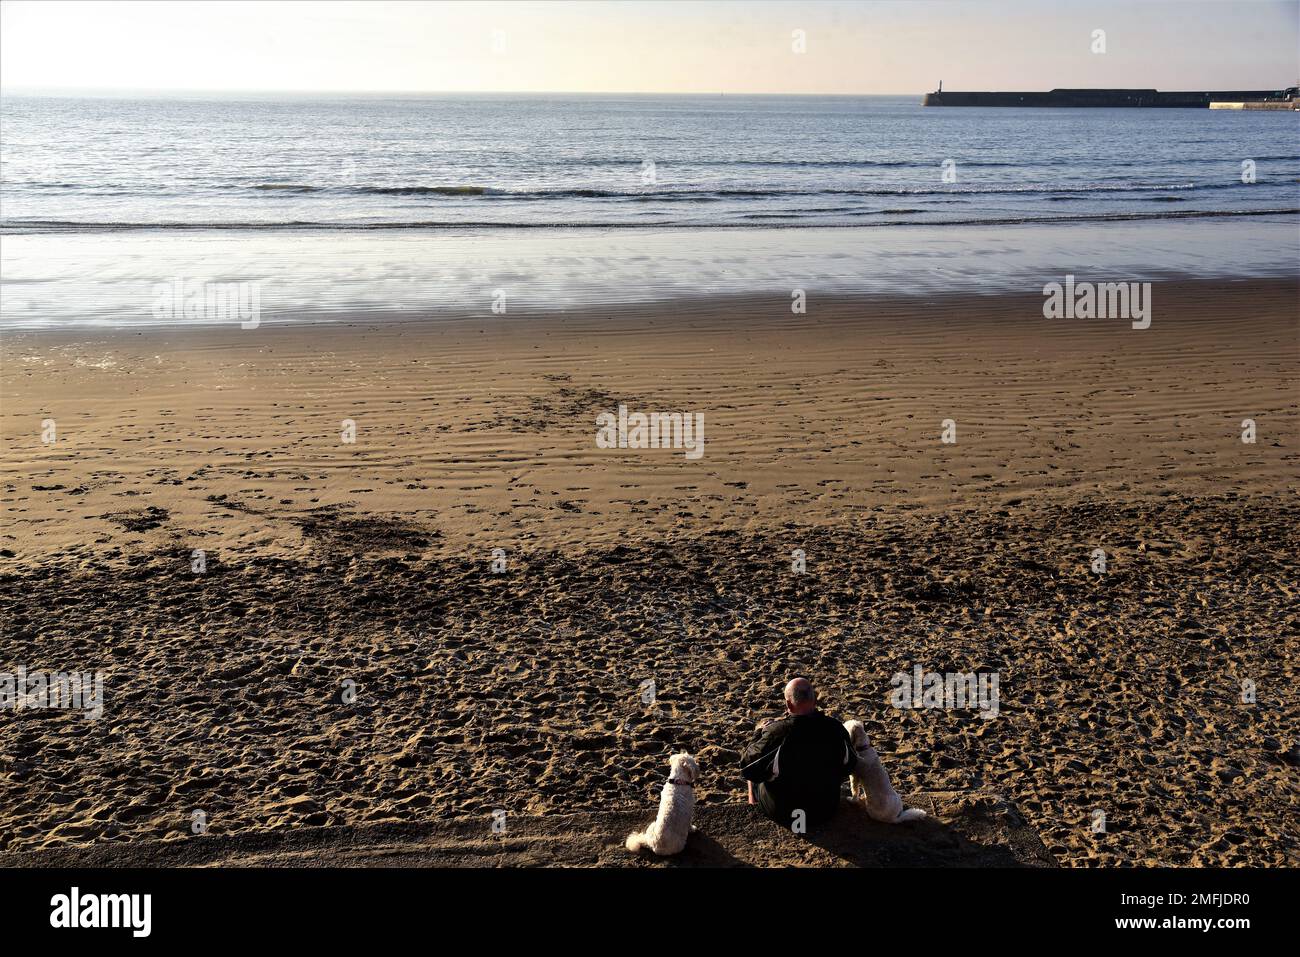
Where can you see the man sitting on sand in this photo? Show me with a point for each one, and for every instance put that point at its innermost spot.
(799, 762)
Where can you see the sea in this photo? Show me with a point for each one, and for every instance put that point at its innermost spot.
(447, 205)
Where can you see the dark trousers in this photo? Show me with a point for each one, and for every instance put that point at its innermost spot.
(782, 810)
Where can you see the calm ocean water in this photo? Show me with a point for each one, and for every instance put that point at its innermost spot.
(545, 161)
(101, 197)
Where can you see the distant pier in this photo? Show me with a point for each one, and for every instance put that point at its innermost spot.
(1246, 99)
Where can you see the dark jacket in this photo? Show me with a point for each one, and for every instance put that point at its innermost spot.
(799, 763)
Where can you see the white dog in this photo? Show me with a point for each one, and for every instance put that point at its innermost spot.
(667, 835)
(869, 779)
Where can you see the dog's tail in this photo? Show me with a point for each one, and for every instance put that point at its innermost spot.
(910, 814)
(636, 842)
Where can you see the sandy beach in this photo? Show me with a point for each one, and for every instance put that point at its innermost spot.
(348, 657)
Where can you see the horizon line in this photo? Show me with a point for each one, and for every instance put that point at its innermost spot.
(55, 90)
(74, 91)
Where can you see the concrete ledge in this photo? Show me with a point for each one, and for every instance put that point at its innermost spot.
(1257, 105)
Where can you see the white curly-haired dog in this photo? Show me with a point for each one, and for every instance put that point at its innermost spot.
(869, 778)
(668, 834)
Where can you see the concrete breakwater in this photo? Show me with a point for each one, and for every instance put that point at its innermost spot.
(1113, 98)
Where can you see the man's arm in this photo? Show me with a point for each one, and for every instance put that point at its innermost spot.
(850, 760)
(756, 759)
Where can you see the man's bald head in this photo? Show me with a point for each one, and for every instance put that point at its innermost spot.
(800, 698)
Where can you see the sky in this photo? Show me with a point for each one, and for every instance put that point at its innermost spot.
(626, 46)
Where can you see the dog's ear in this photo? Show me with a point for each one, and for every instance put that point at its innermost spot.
(857, 733)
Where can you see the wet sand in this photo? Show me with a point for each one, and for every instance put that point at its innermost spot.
(335, 568)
